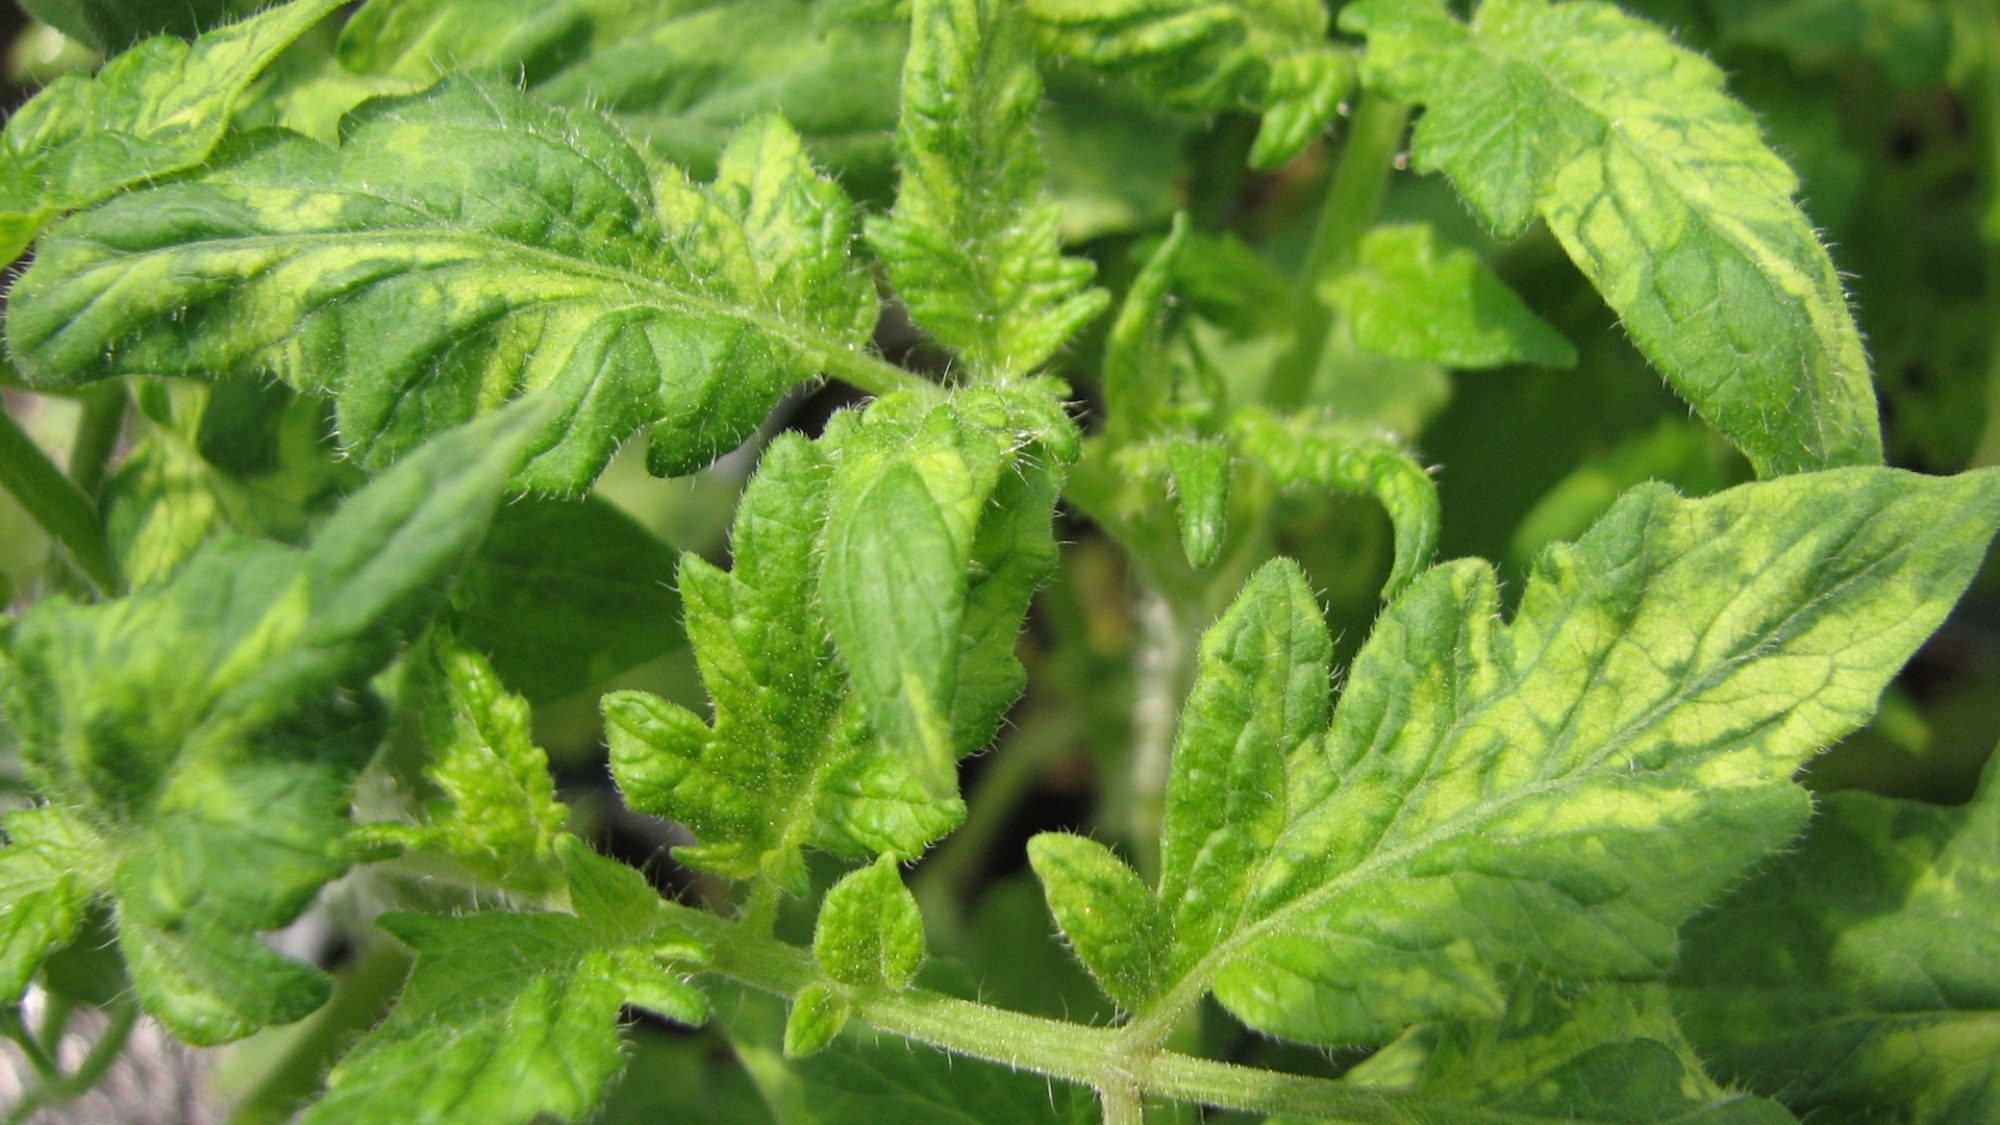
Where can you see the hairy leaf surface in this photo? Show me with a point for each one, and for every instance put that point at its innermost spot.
(1661, 189)
(869, 933)
(508, 1017)
(972, 245)
(1863, 971)
(1410, 298)
(1271, 56)
(200, 737)
(461, 248)
(150, 112)
(1557, 794)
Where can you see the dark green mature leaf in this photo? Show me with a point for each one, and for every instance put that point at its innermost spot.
(1859, 979)
(566, 595)
(1607, 1053)
(110, 26)
(200, 737)
(509, 1017)
(1271, 56)
(680, 77)
(1316, 453)
(1409, 298)
(1558, 794)
(972, 245)
(1660, 188)
(150, 112)
(937, 535)
(789, 760)
(465, 246)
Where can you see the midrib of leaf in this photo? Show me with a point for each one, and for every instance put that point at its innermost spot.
(864, 371)
(1150, 1028)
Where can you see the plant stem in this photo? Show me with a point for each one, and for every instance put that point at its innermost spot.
(865, 371)
(1366, 162)
(359, 998)
(1163, 670)
(1985, 103)
(97, 434)
(57, 504)
(1101, 1058)
(57, 1087)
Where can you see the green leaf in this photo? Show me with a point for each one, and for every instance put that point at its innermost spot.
(818, 1013)
(463, 247)
(1555, 795)
(1200, 471)
(499, 815)
(1141, 379)
(789, 760)
(1271, 56)
(1660, 188)
(150, 112)
(49, 872)
(507, 1016)
(1563, 1053)
(205, 733)
(1409, 298)
(972, 245)
(937, 535)
(566, 595)
(1107, 914)
(1861, 972)
(869, 933)
(1316, 453)
(112, 25)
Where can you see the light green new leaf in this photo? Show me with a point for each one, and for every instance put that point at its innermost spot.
(202, 735)
(1862, 972)
(499, 816)
(1555, 795)
(1311, 453)
(869, 933)
(1660, 188)
(1271, 56)
(511, 1017)
(1410, 298)
(1106, 912)
(937, 535)
(972, 245)
(566, 595)
(152, 111)
(49, 871)
(817, 1016)
(1601, 1053)
(1200, 471)
(461, 248)
(789, 760)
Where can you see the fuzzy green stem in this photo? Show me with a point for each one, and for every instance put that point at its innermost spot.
(97, 434)
(1101, 1058)
(360, 997)
(1366, 163)
(57, 504)
(867, 372)
(56, 1087)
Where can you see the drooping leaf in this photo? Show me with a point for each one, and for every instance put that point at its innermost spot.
(1200, 471)
(508, 1018)
(869, 933)
(1859, 978)
(1409, 298)
(1662, 191)
(150, 112)
(972, 245)
(1312, 453)
(462, 247)
(499, 815)
(679, 77)
(1602, 1053)
(202, 735)
(565, 595)
(1271, 56)
(789, 760)
(1556, 795)
(937, 534)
